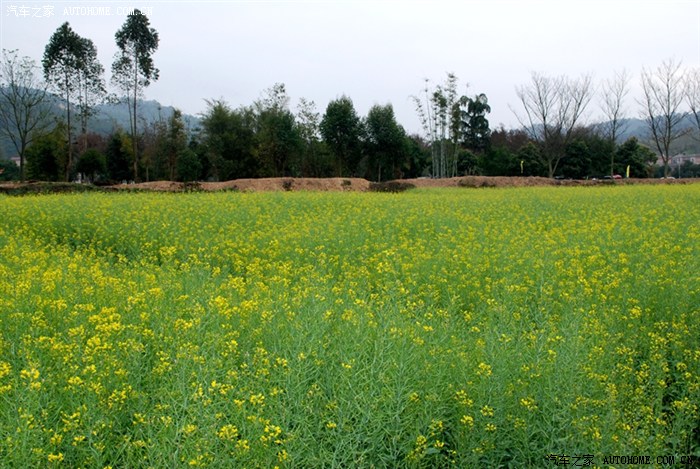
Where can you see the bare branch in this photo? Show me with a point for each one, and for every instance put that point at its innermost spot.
(614, 91)
(553, 107)
(692, 95)
(662, 97)
(25, 113)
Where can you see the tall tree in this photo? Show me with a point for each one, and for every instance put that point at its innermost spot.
(91, 85)
(63, 60)
(440, 112)
(24, 104)
(133, 69)
(553, 108)
(450, 119)
(613, 94)
(476, 134)
(427, 120)
(342, 130)
(662, 98)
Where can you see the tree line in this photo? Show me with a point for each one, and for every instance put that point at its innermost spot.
(270, 138)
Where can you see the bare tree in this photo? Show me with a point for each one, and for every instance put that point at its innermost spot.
(662, 98)
(692, 94)
(553, 108)
(613, 94)
(25, 113)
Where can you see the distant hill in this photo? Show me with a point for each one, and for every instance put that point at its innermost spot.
(109, 117)
(633, 128)
(688, 144)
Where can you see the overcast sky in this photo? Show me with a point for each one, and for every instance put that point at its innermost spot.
(375, 52)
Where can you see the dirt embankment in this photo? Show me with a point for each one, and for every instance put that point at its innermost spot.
(362, 185)
(261, 184)
(327, 184)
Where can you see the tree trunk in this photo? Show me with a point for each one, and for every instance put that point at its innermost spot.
(21, 163)
(133, 126)
(84, 119)
(613, 137)
(70, 138)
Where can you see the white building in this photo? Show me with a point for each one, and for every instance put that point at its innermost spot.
(681, 159)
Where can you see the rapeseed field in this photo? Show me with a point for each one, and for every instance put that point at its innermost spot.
(432, 328)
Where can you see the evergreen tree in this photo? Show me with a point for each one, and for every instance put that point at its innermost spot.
(342, 130)
(133, 68)
(476, 134)
(47, 156)
(119, 157)
(228, 137)
(63, 61)
(386, 144)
